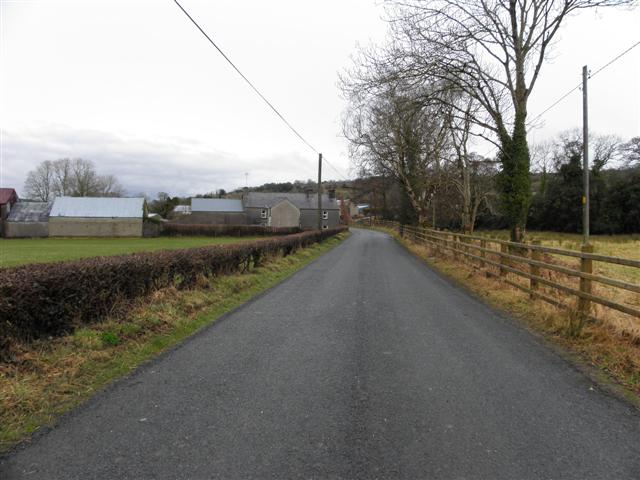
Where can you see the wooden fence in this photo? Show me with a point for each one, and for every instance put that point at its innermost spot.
(530, 265)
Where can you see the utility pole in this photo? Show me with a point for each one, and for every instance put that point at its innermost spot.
(319, 191)
(585, 158)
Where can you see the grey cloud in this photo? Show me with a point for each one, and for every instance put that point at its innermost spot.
(175, 165)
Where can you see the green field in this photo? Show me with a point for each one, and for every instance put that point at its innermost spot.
(15, 252)
(627, 246)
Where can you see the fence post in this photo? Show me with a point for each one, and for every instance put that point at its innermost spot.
(483, 245)
(534, 269)
(454, 246)
(503, 261)
(586, 266)
(401, 230)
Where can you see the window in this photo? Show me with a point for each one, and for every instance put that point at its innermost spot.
(263, 213)
(325, 215)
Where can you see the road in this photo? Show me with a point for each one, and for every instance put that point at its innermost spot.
(366, 364)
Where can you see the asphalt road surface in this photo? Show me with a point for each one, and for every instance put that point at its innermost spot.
(366, 364)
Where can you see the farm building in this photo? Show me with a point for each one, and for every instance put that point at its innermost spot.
(279, 209)
(180, 210)
(28, 219)
(8, 197)
(216, 211)
(96, 217)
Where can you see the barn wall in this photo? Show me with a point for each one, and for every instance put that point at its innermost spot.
(26, 229)
(285, 214)
(95, 227)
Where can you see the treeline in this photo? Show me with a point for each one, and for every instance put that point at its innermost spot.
(614, 192)
(556, 191)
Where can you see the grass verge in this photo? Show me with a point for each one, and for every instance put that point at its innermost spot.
(51, 377)
(612, 355)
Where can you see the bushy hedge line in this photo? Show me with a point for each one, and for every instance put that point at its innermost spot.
(51, 299)
(230, 230)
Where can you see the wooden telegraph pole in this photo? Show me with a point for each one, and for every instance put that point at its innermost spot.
(319, 191)
(586, 264)
(585, 158)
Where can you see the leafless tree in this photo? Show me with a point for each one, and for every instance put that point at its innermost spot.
(493, 50)
(630, 152)
(395, 133)
(70, 177)
(603, 148)
(63, 181)
(470, 174)
(110, 187)
(39, 182)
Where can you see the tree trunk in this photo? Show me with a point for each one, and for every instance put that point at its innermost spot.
(514, 180)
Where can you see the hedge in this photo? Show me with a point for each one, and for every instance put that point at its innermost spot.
(52, 299)
(219, 230)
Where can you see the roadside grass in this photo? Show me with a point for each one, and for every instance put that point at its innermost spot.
(21, 251)
(51, 377)
(613, 351)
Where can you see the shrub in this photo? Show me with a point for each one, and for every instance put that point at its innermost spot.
(225, 230)
(52, 299)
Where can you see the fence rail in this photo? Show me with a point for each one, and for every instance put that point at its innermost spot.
(525, 260)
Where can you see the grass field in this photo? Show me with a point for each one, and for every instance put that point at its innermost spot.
(44, 250)
(625, 246)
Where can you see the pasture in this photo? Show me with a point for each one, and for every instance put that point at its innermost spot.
(625, 246)
(14, 252)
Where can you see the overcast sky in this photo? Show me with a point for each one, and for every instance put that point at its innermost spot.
(133, 86)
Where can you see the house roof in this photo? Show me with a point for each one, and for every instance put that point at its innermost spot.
(30, 212)
(300, 200)
(98, 207)
(6, 194)
(216, 205)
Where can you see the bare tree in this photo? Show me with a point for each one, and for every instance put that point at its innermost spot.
(470, 174)
(395, 133)
(63, 181)
(110, 187)
(66, 177)
(493, 50)
(630, 152)
(39, 182)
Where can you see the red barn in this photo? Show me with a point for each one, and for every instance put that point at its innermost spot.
(8, 197)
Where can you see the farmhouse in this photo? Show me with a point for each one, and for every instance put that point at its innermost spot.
(291, 209)
(28, 219)
(8, 197)
(96, 217)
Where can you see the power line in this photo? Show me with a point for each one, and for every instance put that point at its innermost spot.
(580, 84)
(556, 102)
(245, 78)
(617, 58)
(324, 160)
